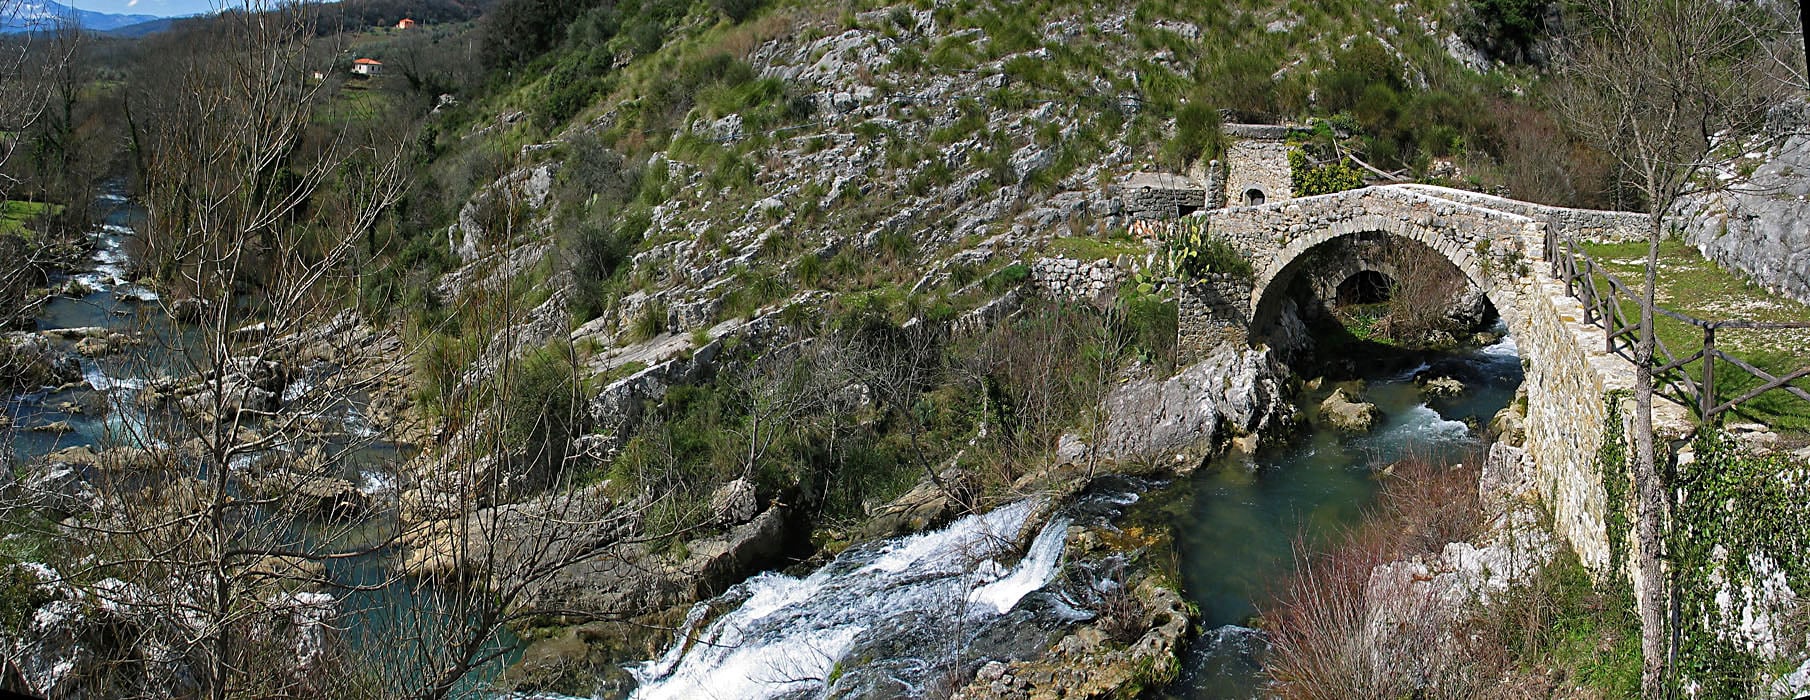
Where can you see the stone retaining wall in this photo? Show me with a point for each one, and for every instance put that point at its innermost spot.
(1068, 279)
(1159, 196)
(1210, 313)
(1570, 375)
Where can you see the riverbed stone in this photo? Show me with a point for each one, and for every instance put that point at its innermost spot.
(1442, 387)
(1344, 413)
(61, 427)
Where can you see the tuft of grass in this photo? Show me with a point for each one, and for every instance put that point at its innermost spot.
(1086, 248)
(650, 323)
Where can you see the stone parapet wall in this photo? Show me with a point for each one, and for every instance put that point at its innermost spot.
(1584, 225)
(1068, 279)
(1570, 376)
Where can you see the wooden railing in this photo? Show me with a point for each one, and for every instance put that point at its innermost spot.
(1604, 309)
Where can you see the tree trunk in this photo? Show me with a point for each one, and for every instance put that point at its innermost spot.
(1803, 25)
(1649, 496)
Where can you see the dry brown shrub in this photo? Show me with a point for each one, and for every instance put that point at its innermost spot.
(1338, 632)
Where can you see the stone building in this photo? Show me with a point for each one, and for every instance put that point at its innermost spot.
(1256, 164)
(1160, 196)
(1255, 171)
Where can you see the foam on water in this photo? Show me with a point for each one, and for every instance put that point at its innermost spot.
(296, 390)
(1506, 347)
(1422, 423)
(101, 381)
(375, 482)
(1036, 571)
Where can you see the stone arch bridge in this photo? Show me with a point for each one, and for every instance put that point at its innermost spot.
(1499, 245)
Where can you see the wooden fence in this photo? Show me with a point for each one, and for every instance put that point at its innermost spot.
(1604, 309)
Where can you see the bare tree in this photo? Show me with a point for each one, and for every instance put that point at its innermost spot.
(218, 518)
(1669, 89)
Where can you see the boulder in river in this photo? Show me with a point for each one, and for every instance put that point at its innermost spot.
(1344, 413)
(29, 361)
(326, 497)
(735, 503)
(927, 504)
(1441, 387)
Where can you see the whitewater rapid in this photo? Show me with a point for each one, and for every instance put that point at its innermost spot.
(792, 636)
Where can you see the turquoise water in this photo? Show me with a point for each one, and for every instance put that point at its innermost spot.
(1236, 521)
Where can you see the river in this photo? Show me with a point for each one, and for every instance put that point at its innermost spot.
(891, 618)
(377, 608)
(1236, 522)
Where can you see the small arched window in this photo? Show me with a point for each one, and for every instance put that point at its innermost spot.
(1253, 196)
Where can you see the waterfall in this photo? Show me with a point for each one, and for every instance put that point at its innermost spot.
(788, 636)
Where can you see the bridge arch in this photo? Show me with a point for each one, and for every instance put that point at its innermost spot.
(1472, 252)
(1273, 281)
(1500, 245)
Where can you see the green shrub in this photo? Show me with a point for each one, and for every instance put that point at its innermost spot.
(1308, 180)
(1506, 29)
(1007, 277)
(1194, 252)
(568, 89)
(1197, 135)
(438, 368)
(596, 252)
(1150, 323)
(518, 31)
(542, 409)
(736, 10)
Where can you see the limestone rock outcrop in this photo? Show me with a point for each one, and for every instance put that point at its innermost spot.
(1762, 228)
(1234, 392)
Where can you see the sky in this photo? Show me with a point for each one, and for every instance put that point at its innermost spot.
(162, 8)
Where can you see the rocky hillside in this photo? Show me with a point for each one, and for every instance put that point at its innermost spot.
(909, 152)
(825, 275)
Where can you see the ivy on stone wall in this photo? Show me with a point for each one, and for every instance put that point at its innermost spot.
(1735, 511)
(1307, 180)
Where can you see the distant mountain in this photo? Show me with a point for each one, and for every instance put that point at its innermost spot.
(134, 31)
(43, 15)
